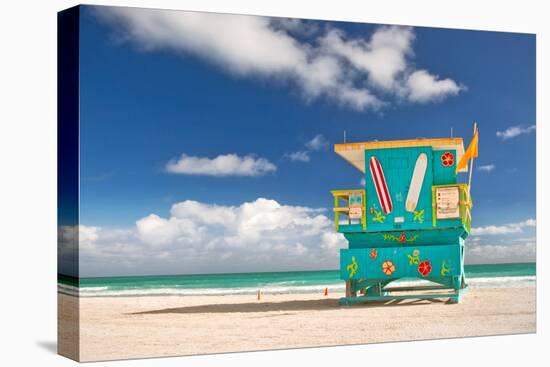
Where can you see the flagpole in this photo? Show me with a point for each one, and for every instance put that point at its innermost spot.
(471, 163)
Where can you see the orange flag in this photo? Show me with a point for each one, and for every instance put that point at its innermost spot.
(470, 153)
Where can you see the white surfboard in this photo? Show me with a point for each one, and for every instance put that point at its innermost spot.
(416, 182)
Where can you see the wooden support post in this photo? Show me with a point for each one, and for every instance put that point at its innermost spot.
(471, 163)
(434, 208)
(348, 288)
(336, 220)
(364, 208)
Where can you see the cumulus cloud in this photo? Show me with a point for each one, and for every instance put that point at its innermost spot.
(258, 235)
(385, 58)
(296, 27)
(424, 87)
(67, 250)
(157, 231)
(321, 63)
(299, 156)
(222, 165)
(487, 253)
(196, 237)
(332, 242)
(503, 229)
(382, 57)
(486, 167)
(71, 237)
(83, 247)
(515, 131)
(318, 142)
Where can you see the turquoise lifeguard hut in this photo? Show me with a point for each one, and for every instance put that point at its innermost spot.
(410, 221)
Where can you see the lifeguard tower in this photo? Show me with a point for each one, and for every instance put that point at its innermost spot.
(409, 222)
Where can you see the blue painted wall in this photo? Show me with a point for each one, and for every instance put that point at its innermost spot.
(444, 260)
(398, 165)
(444, 175)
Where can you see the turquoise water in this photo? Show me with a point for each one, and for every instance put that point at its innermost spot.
(493, 275)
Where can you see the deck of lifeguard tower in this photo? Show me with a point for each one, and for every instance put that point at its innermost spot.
(410, 221)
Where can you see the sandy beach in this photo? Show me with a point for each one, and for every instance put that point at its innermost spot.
(133, 327)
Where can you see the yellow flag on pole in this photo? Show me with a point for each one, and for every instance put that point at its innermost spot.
(470, 153)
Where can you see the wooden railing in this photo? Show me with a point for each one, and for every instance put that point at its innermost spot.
(354, 207)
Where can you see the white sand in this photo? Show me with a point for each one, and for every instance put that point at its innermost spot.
(133, 327)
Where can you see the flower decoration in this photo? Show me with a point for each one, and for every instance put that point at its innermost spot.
(373, 254)
(447, 159)
(388, 267)
(425, 268)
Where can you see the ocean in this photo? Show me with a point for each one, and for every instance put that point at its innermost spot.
(477, 276)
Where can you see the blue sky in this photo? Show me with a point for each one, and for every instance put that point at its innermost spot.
(153, 91)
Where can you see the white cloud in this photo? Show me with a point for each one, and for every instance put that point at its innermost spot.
(318, 142)
(155, 230)
(500, 253)
(515, 131)
(260, 235)
(71, 237)
(328, 65)
(332, 242)
(424, 87)
(503, 229)
(299, 156)
(202, 214)
(486, 168)
(83, 234)
(382, 57)
(222, 165)
(529, 223)
(299, 27)
(385, 58)
(83, 247)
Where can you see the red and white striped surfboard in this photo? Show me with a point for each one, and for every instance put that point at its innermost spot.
(380, 184)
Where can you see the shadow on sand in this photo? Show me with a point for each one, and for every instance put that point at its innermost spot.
(298, 305)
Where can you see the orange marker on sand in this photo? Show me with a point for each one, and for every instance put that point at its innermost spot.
(326, 291)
